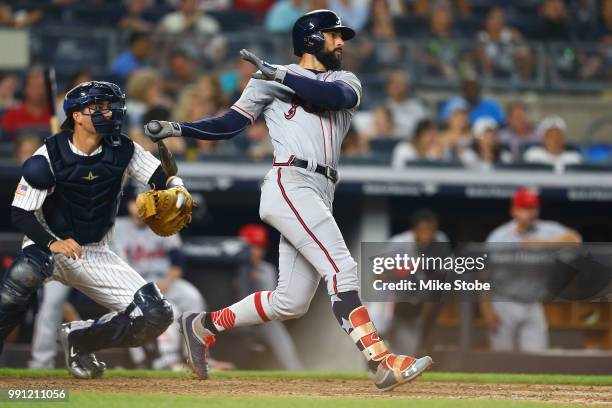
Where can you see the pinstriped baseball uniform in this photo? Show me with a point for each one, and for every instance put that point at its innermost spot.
(100, 273)
(298, 202)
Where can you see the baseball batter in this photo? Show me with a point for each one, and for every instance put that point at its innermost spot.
(308, 108)
(65, 204)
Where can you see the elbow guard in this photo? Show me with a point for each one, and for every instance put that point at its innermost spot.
(37, 172)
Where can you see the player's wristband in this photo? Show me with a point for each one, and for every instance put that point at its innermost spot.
(174, 181)
(279, 75)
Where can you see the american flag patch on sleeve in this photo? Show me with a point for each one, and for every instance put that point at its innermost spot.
(22, 189)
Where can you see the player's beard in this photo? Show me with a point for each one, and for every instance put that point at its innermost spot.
(329, 59)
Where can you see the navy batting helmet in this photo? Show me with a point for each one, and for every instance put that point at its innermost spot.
(91, 93)
(308, 31)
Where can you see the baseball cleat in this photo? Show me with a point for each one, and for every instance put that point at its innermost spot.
(396, 370)
(197, 348)
(80, 365)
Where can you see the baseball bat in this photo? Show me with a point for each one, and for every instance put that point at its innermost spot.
(167, 160)
(51, 89)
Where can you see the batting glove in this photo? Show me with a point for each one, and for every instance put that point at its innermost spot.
(267, 72)
(158, 130)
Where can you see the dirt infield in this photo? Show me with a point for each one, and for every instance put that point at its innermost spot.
(250, 387)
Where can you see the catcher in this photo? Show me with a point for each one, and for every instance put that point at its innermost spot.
(66, 203)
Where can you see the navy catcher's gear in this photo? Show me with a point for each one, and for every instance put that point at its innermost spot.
(28, 272)
(123, 330)
(37, 173)
(87, 189)
(92, 93)
(308, 31)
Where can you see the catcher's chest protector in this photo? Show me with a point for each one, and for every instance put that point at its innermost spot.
(87, 189)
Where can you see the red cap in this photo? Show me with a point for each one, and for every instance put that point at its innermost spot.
(254, 234)
(525, 198)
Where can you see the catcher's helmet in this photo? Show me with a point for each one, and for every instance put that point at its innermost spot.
(92, 92)
(308, 31)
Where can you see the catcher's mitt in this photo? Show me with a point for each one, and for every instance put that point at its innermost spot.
(166, 212)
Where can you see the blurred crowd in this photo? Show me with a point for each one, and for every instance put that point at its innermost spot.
(193, 76)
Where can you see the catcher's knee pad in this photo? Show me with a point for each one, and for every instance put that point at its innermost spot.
(25, 276)
(288, 307)
(123, 330)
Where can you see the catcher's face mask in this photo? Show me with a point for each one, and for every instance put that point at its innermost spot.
(104, 102)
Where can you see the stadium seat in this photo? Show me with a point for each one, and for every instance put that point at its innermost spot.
(384, 145)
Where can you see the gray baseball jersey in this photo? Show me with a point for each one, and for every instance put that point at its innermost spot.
(296, 129)
(513, 284)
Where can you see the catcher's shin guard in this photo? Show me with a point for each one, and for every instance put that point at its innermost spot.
(27, 273)
(123, 330)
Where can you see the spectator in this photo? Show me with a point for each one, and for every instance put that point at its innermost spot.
(355, 144)
(145, 98)
(189, 18)
(382, 123)
(354, 13)
(478, 106)
(379, 49)
(210, 88)
(234, 81)
(134, 16)
(407, 111)
(443, 55)
(554, 21)
(260, 147)
(33, 112)
(193, 106)
(256, 7)
(514, 314)
(485, 151)
(425, 146)
(144, 91)
(283, 14)
(206, 5)
(8, 89)
(502, 51)
(133, 58)
(183, 71)
(20, 18)
(25, 147)
(598, 64)
(456, 135)
(553, 151)
(424, 8)
(519, 128)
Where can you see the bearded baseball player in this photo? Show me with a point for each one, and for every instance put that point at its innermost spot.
(65, 204)
(308, 108)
